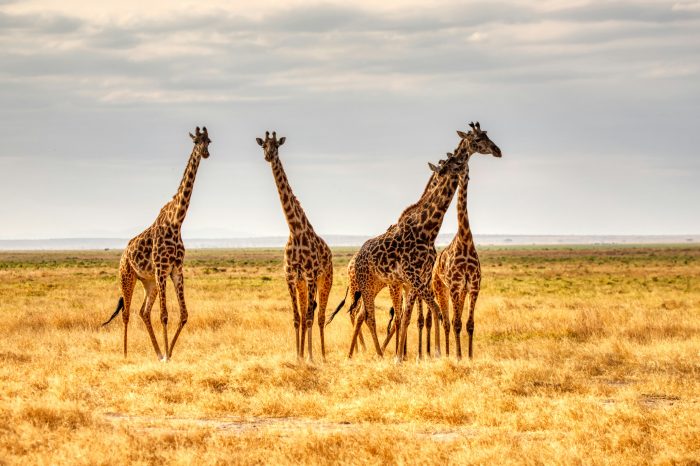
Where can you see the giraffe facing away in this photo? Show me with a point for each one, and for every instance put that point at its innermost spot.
(405, 254)
(308, 264)
(457, 271)
(158, 253)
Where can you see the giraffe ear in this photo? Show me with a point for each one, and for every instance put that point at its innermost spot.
(461, 134)
(433, 167)
(260, 141)
(281, 141)
(192, 136)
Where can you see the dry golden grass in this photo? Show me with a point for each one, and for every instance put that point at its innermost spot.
(582, 356)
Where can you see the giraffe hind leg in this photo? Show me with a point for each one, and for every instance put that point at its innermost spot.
(128, 282)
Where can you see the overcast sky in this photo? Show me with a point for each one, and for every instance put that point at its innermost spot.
(595, 105)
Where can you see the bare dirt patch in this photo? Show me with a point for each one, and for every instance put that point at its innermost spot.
(280, 426)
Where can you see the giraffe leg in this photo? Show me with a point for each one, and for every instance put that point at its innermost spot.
(151, 293)
(457, 297)
(443, 299)
(436, 319)
(396, 302)
(391, 333)
(405, 320)
(324, 289)
(372, 324)
(429, 328)
(427, 294)
(292, 288)
(358, 325)
(161, 281)
(128, 282)
(473, 294)
(310, 313)
(421, 323)
(179, 282)
(360, 336)
(303, 300)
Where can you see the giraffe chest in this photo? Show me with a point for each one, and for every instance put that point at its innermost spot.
(305, 255)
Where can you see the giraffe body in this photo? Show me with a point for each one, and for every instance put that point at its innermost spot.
(157, 254)
(308, 263)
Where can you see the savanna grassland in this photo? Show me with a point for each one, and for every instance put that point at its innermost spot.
(586, 355)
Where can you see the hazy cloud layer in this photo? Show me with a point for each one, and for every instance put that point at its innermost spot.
(595, 106)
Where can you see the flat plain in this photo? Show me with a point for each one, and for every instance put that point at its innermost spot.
(582, 355)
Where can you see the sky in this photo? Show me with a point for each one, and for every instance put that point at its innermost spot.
(595, 106)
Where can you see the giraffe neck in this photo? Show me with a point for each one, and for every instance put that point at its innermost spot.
(412, 208)
(429, 212)
(426, 218)
(464, 232)
(296, 218)
(184, 191)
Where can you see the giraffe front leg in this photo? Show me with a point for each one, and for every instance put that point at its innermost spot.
(473, 294)
(421, 323)
(429, 329)
(442, 296)
(403, 329)
(457, 297)
(311, 308)
(428, 297)
(179, 282)
(291, 286)
(151, 294)
(372, 324)
(303, 299)
(161, 281)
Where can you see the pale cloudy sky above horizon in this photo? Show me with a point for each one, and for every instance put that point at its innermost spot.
(596, 106)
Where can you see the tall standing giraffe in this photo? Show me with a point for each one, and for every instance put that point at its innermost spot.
(457, 271)
(308, 264)
(405, 254)
(158, 253)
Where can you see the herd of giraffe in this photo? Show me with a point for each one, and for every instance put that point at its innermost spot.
(403, 258)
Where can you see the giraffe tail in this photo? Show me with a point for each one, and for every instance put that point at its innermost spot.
(391, 313)
(340, 306)
(120, 306)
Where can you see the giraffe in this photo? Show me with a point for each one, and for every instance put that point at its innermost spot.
(461, 250)
(308, 263)
(158, 253)
(457, 271)
(394, 290)
(404, 254)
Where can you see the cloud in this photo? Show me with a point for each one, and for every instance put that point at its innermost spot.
(351, 86)
(327, 48)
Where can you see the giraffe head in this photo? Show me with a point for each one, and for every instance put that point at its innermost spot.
(477, 141)
(270, 145)
(451, 166)
(201, 141)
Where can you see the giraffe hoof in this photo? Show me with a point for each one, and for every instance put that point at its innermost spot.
(164, 359)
